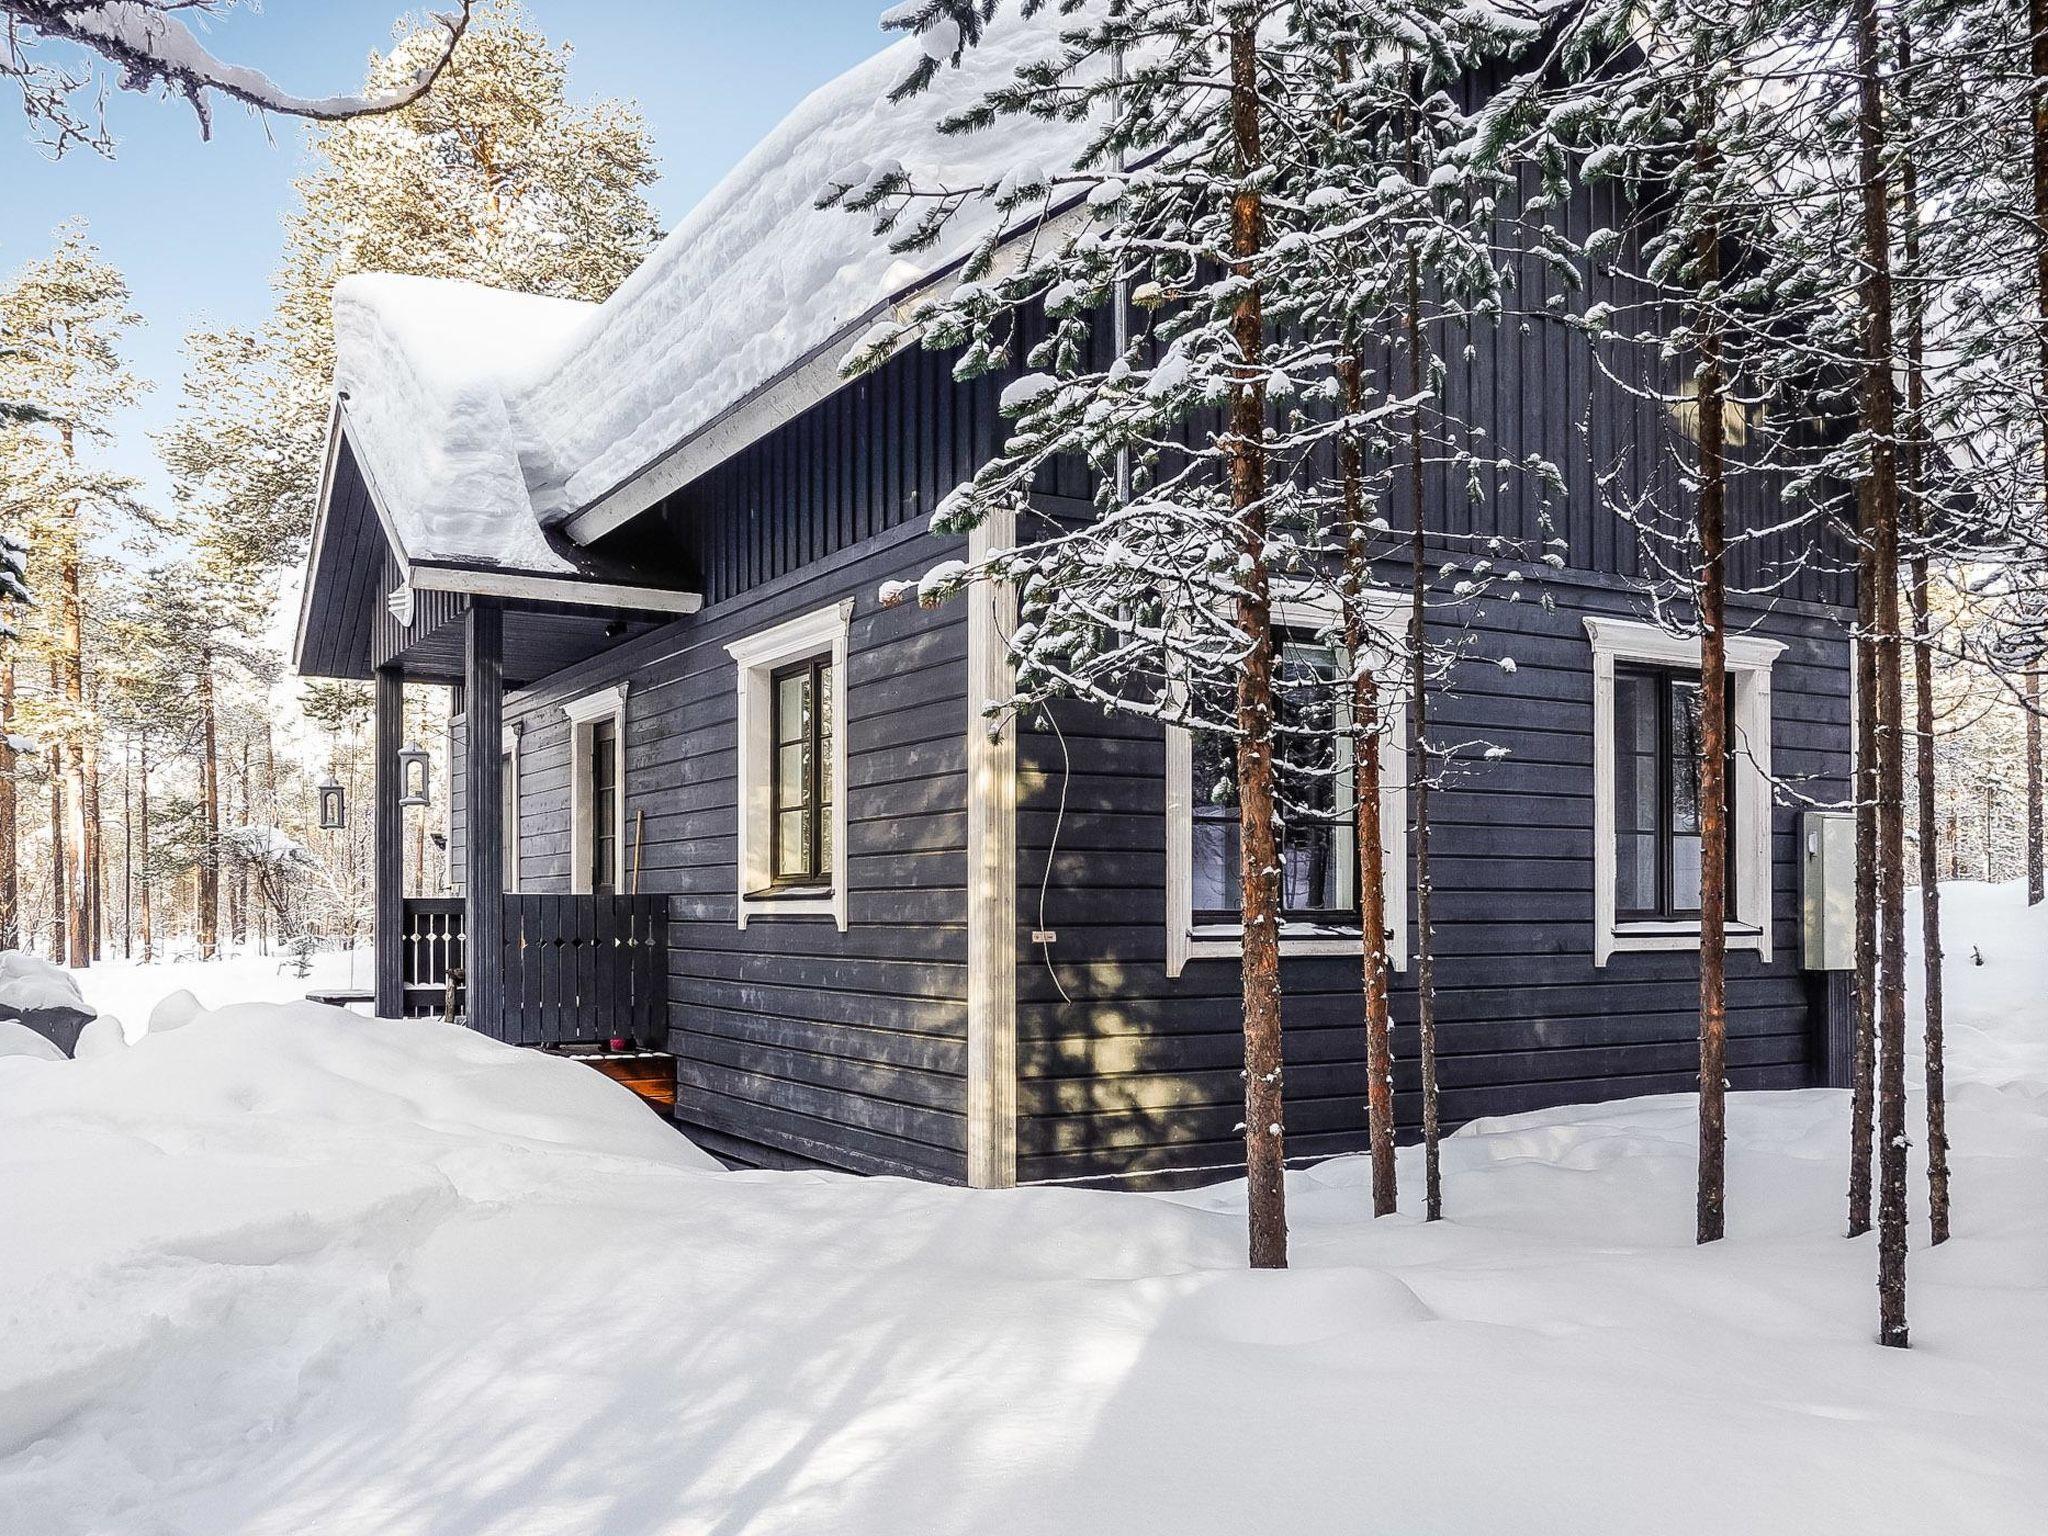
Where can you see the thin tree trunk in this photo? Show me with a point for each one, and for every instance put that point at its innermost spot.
(1265, 1143)
(95, 845)
(142, 840)
(1418, 645)
(1863, 1061)
(1711, 1214)
(128, 851)
(2037, 22)
(207, 887)
(1371, 866)
(1881, 425)
(1923, 666)
(68, 683)
(60, 926)
(10, 808)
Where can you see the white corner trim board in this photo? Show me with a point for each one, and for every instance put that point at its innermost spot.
(603, 704)
(1184, 941)
(755, 659)
(1749, 670)
(991, 873)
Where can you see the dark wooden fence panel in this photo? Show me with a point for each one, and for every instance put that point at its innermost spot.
(584, 969)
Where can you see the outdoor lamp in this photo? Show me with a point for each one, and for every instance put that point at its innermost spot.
(412, 775)
(333, 803)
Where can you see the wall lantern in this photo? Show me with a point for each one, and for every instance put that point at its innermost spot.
(412, 775)
(333, 803)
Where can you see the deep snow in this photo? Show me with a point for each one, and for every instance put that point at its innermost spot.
(295, 1271)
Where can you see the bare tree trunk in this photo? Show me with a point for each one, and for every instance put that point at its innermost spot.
(95, 845)
(1923, 665)
(1259, 863)
(128, 851)
(2037, 22)
(68, 683)
(239, 900)
(1881, 424)
(270, 819)
(1711, 1214)
(1371, 863)
(10, 809)
(60, 926)
(1863, 1063)
(142, 840)
(1418, 645)
(207, 893)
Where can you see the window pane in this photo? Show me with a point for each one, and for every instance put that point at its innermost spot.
(1685, 873)
(792, 838)
(1685, 756)
(1216, 869)
(1638, 808)
(792, 775)
(792, 707)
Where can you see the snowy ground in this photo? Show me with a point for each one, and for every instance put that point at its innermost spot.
(295, 1272)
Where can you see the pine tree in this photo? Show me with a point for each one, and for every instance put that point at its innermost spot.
(496, 177)
(67, 312)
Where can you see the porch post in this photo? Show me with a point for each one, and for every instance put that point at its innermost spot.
(483, 844)
(388, 860)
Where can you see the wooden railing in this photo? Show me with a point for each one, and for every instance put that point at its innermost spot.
(585, 968)
(432, 934)
(576, 968)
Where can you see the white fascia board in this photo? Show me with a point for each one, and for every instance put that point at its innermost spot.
(552, 589)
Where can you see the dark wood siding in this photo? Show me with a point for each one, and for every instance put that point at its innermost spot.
(796, 1043)
(1140, 1073)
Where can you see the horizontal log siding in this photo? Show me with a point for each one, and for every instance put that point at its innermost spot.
(795, 1044)
(1140, 1074)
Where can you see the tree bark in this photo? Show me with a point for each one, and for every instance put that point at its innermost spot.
(128, 851)
(1265, 1142)
(68, 683)
(1371, 866)
(1923, 666)
(1863, 1061)
(60, 926)
(207, 892)
(142, 841)
(10, 826)
(2037, 22)
(95, 846)
(1711, 1215)
(1882, 428)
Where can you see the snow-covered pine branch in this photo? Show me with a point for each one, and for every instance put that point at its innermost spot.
(152, 46)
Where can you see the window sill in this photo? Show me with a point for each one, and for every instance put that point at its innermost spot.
(806, 901)
(1647, 937)
(1225, 941)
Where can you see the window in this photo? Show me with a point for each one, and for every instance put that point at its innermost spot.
(791, 682)
(1657, 811)
(603, 780)
(597, 791)
(1646, 826)
(1319, 867)
(509, 811)
(803, 788)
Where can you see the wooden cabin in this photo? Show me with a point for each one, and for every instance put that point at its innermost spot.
(711, 795)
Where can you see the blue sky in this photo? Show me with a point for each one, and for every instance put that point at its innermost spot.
(197, 227)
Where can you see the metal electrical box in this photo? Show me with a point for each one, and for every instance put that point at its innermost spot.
(1827, 884)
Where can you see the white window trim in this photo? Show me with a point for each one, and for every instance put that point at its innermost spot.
(511, 829)
(755, 658)
(585, 712)
(1749, 674)
(1185, 941)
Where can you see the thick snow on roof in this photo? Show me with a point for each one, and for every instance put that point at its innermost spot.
(483, 416)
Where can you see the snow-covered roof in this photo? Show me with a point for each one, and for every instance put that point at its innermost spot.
(484, 418)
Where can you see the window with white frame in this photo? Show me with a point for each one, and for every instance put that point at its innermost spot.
(509, 806)
(1646, 812)
(597, 791)
(791, 712)
(1319, 865)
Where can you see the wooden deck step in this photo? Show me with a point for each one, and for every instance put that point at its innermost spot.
(651, 1074)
